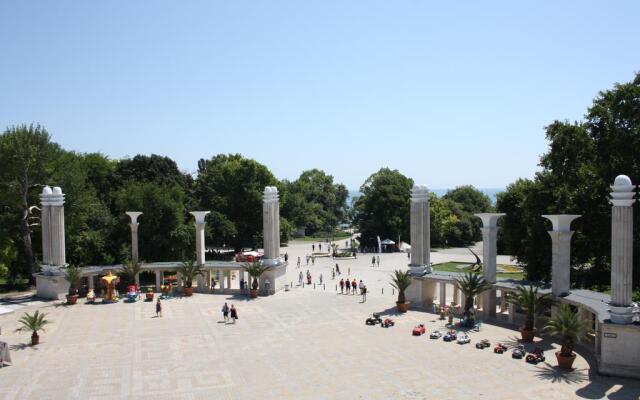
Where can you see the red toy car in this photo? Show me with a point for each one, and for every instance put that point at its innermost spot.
(500, 348)
(536, 356)
(387, 323)
(419, 330)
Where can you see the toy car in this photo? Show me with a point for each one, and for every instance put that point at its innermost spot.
(449, 336)
(500, 348)
(482, 344)
(419, 330)
(373, 319)
(463, 338)
(387, 323)
(435, 335)
(536, 356)
(518, 352)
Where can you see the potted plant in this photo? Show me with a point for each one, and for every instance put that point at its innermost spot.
(33, 323)
(130, 270)
(532, 304)
(189, 271)
(72, 274)
(149, 294)
(567, 324)
(401, 280)
(470, 284)
(255, 270)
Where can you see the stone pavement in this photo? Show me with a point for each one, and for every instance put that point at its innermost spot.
(301, 344)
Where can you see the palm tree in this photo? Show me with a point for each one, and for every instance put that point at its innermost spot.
(471, 285)
(73, 274)
(189, 271)
(255, 270)
(131, 269)
(533, 304)
(33, 323)
(401, 280)
(567, 324)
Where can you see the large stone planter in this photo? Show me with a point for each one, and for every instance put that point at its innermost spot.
(72, 299)
(565, 362)
(253, 293)
(402, 307)
(528, 334)
(187, 291)
(35, 339)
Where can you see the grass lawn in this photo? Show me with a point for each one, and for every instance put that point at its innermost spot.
(452, 266)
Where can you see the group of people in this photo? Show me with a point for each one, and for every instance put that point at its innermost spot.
(352, 287)
(229, 313)
(375, 261)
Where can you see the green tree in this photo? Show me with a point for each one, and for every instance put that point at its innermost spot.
(232, 187)
(383, 208)
(154, 168)
(26, 153)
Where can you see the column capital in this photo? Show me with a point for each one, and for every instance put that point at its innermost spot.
(270, 194)
(199, 216)
(561, 222)
(623, 192)
(134, 216)
(52, 197)
(489, 220)
(419, 194)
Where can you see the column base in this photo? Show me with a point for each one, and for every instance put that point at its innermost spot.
(420, 270)
(272, 262)
(621, 314)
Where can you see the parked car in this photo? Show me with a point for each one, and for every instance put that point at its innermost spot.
(484, 343)
(419, 330)
(435, 335)
(388, 322)
(536, 356)
(449, 336)
(500, 348)
(463, 338)
(518, 352)
(373, 319)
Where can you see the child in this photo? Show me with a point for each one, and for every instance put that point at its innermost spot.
(158, 308)
(225, 312)
(234, 314)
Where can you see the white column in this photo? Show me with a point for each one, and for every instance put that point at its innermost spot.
(158, 280)
(489, 259)
(622, 199)
(53, 226)
(90, 282)
(561, 253)
(456, 295)
(200, 246)
(443, 294)
(271, 226)
(134, 234)
(420, 231)
(512, 313)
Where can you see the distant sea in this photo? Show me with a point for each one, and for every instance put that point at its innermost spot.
(491, 192)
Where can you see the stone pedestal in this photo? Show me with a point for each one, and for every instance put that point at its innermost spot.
(134, 234)
(200, 246)
(561, 253)
(489, 260)
(619, 350)
(53, 287)
(622, 199)
(420, 231)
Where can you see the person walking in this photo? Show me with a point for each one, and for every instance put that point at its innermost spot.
(333, 274)
(364, 293)
(349, 271)
(341, 286)
(158, 308)
(313, 247)
(300, 278)
(360, 286)
(286, 257)
(225, 312)
(347, 284)
(337, 269)
(378, 261)
(298, 263)
(321, 278)
(354, 286)
(313, 260)
(319, 247)
(307, 259)
(373, 261)
(234, 314)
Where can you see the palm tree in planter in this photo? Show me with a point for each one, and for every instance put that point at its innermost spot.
(471, 285)
(33, 323)
(131, 269)
(255, 271)
(533, 304)
(566, 323)
(73, 274)
(401, 280)
(189, 271)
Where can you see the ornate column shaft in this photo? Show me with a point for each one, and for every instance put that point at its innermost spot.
(134, 234)
(271, 226)
(53, 243)
(561, 253)
(200, 245)
(622, 199)
(420, 231)
(489, 259)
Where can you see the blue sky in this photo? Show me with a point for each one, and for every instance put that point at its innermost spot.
(449, 94)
